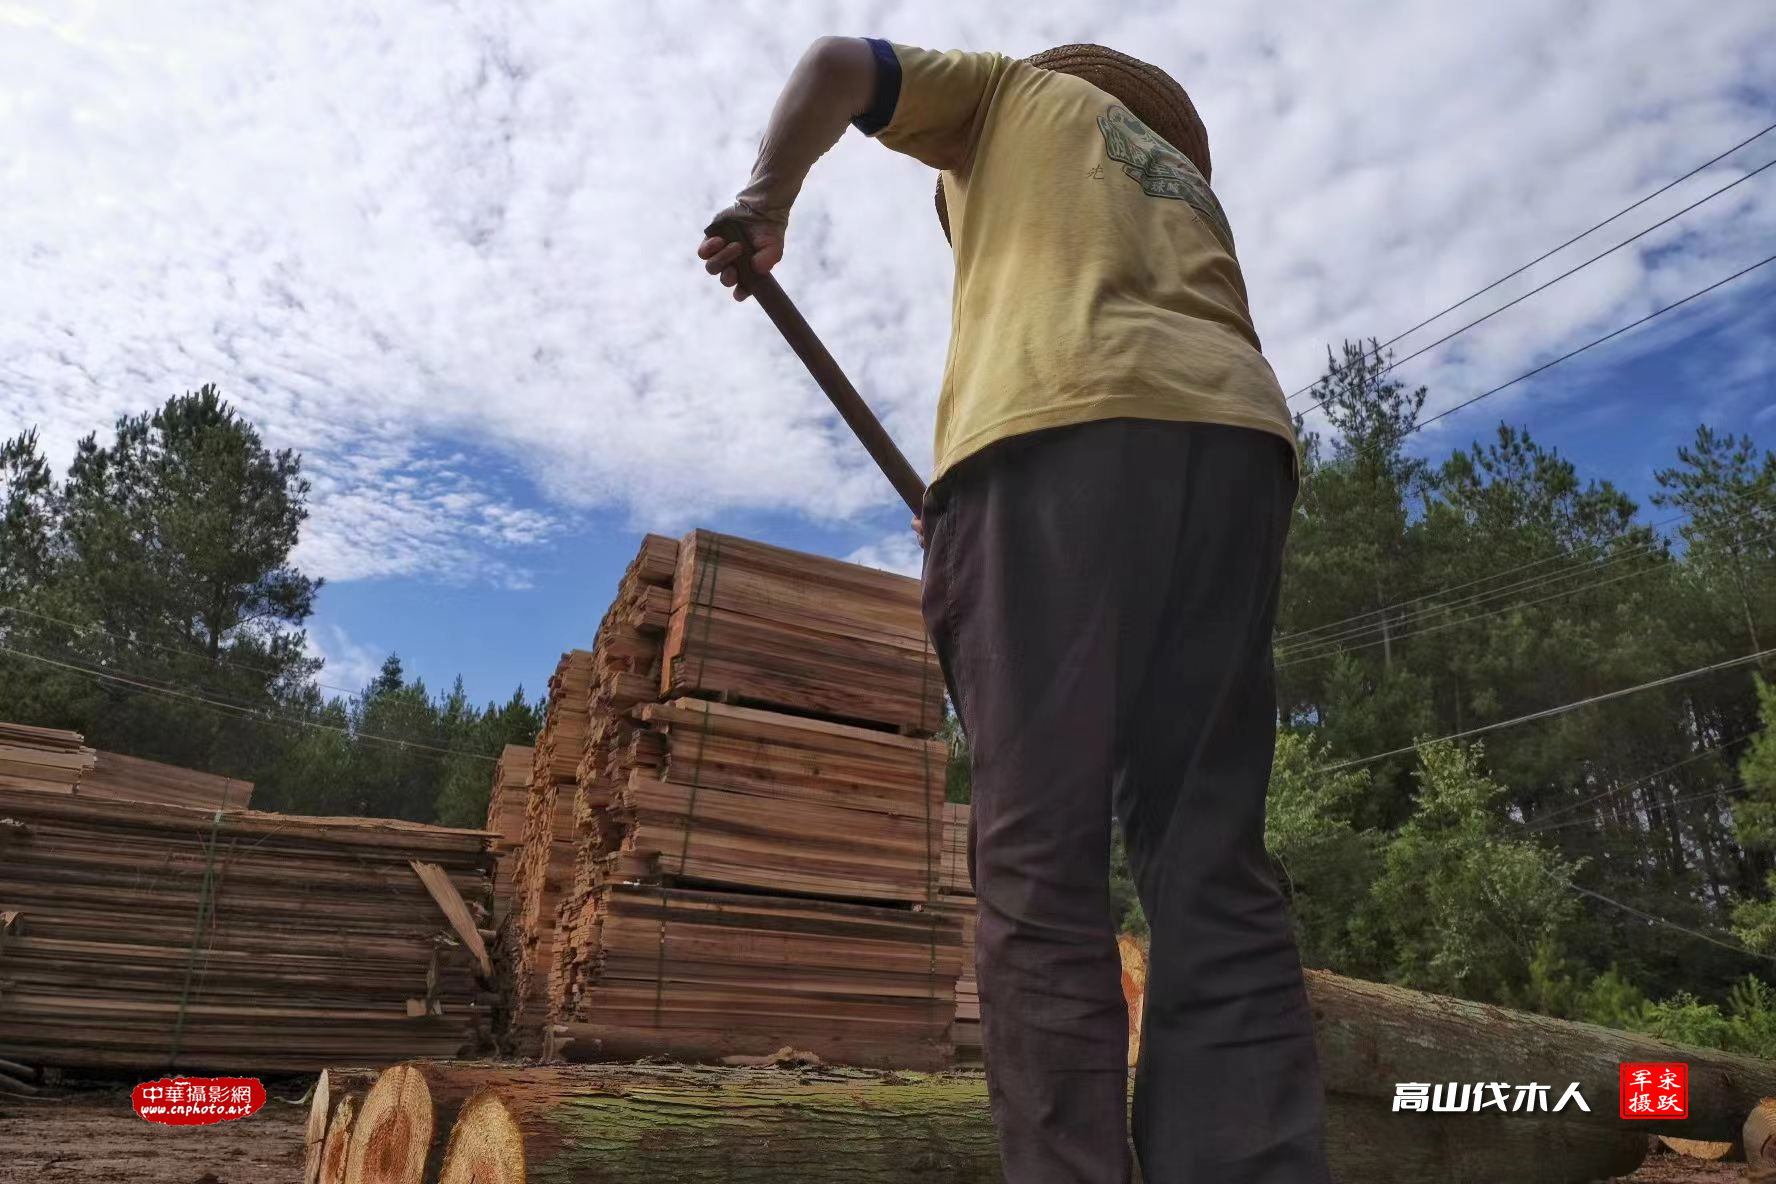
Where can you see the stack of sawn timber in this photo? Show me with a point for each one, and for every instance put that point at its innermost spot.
(131, 778)
(58, 761)
(957, 897)
(239, 940)
(42, 758)
(544, 866)
(506, 804)
(759, 871)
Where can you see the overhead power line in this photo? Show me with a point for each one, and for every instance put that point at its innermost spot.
(139, 641)
(1548, 712)
(1555, 819)
(1552, 251)
(137, 686)
(1654, 919)
(1573, 270)
(1720, 283)
(1413, 625)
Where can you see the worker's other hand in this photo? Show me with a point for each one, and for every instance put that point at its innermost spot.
(722, 258)
(919, 531)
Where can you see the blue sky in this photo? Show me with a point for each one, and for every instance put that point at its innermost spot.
(445, 251)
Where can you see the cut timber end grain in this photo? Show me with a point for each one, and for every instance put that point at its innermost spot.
(336, 1149)
(393, 1132)
(486, 1145)
(319, 1110)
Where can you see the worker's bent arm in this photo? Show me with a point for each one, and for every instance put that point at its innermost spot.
(833, 84)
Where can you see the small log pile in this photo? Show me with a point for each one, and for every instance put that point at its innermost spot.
(505, 818)
(142, 935)
(723, 851)
(42, 758)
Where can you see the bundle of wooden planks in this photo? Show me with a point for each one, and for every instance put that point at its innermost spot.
(131, 778)
(505, 818)
(144, 935)
(702, 975)
(958, 899)
(544, 865)
(42, 758)
(736, 832)
(758, 624)
(777, 802)
(59, 761)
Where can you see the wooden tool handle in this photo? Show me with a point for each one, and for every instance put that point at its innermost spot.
(826, 372)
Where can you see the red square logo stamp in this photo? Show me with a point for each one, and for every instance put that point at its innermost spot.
(1656, 1089)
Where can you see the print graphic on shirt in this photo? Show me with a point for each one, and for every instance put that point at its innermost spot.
(1161, 169)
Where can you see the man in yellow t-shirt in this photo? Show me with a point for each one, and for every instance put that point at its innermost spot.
(1104, 535)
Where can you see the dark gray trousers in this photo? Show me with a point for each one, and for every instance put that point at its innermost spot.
(1102, 598)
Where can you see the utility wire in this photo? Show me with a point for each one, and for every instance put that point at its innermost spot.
(1555, 250)
(1546, 559)
(139, 687)
(1334, 649)
(1652, 919)
(1382, 634)
(1749, 504)
(1720, 283)
(1714, 793)
(1546, 822)
(1548, 712)
(89, 630)
(1422, 424)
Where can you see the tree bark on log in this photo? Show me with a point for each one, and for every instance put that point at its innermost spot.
(642, 1124)
(1368, 1143)
(1372, 1035)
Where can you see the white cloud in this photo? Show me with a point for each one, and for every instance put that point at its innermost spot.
(407, 230)
(899, 553)
(349, 666)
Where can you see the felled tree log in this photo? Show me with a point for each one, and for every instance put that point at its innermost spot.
(652, 1123)
(644, 1124)
(1372, 1036)
(1367, 1143)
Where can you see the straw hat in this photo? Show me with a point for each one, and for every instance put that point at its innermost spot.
(1153, 95)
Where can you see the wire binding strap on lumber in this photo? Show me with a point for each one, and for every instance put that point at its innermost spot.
(930, 874)
(712, 569)
(205, 900)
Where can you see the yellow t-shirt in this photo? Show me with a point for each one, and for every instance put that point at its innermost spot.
(1095, 272)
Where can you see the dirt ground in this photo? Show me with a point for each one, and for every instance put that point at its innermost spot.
(95, 1138)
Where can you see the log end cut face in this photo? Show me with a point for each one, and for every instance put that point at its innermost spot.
(336, 1148)
(486, 1145)
(393, 1132)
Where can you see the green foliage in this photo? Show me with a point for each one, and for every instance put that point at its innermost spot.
(1325, 863)
(156, 589)
(1464, 902)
